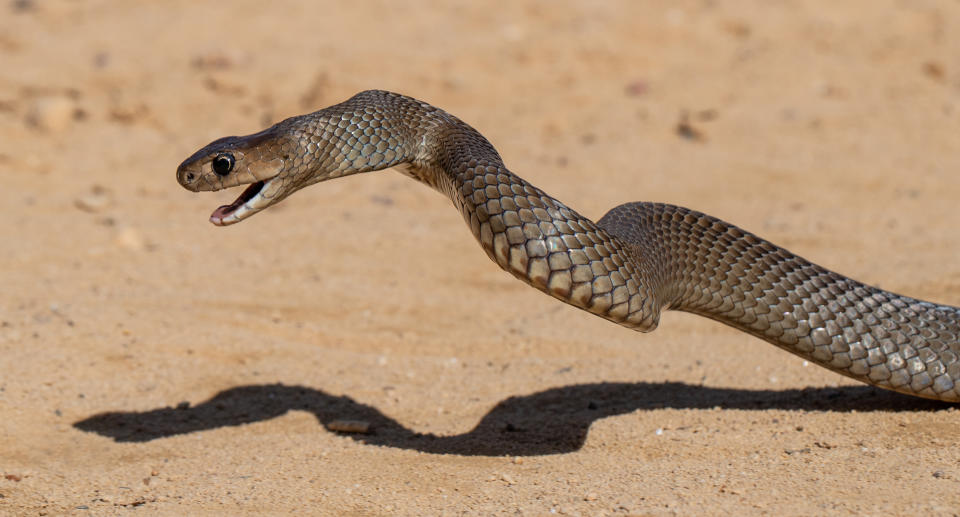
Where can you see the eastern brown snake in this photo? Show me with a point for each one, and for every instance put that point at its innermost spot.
(637, 260)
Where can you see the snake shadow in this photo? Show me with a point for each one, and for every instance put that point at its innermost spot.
(553, 421)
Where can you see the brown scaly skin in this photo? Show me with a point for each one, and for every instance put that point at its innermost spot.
(639, 259)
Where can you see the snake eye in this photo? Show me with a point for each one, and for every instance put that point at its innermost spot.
(223, 164)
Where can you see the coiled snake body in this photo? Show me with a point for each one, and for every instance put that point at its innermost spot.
(636, 261)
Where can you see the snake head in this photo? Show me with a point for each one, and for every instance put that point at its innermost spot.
(258, 160)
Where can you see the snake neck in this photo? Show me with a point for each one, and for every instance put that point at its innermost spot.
(526, 232)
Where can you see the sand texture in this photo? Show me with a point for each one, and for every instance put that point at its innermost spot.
(352, 351)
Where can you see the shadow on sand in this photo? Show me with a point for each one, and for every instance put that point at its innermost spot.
(553, 421)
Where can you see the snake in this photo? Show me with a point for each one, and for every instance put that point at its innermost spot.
(635, 262)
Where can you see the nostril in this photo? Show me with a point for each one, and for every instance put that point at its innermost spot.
(190, 176)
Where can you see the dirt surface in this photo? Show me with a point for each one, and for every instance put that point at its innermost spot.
(152, 363)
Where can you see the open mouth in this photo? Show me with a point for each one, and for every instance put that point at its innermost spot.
(228, 214)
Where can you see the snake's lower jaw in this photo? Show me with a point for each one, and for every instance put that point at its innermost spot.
(251, 201)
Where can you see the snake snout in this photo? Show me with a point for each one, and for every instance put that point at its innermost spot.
(185, 177)
(190, 177)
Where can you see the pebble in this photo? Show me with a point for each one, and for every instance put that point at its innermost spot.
(685, 130)
(53, 114)
(129, 114)
(636, 88)
(219, 60)
(592, 496)
(130, 238)
(934, 70)
(99, 199)
(23, 5)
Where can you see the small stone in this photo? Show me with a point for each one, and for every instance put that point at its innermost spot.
(508, 479)
(99, 199)
(129, 114)
(349, 426)
(592, 496)
(130, 239)
(685, 130)
(101, 59)
(218, 60)
(636, 88)
(738, 29)
(23, 5)
(518, 460)
(934, 70)
(52, 113)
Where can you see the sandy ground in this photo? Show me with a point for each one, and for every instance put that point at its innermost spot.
(152, 363)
